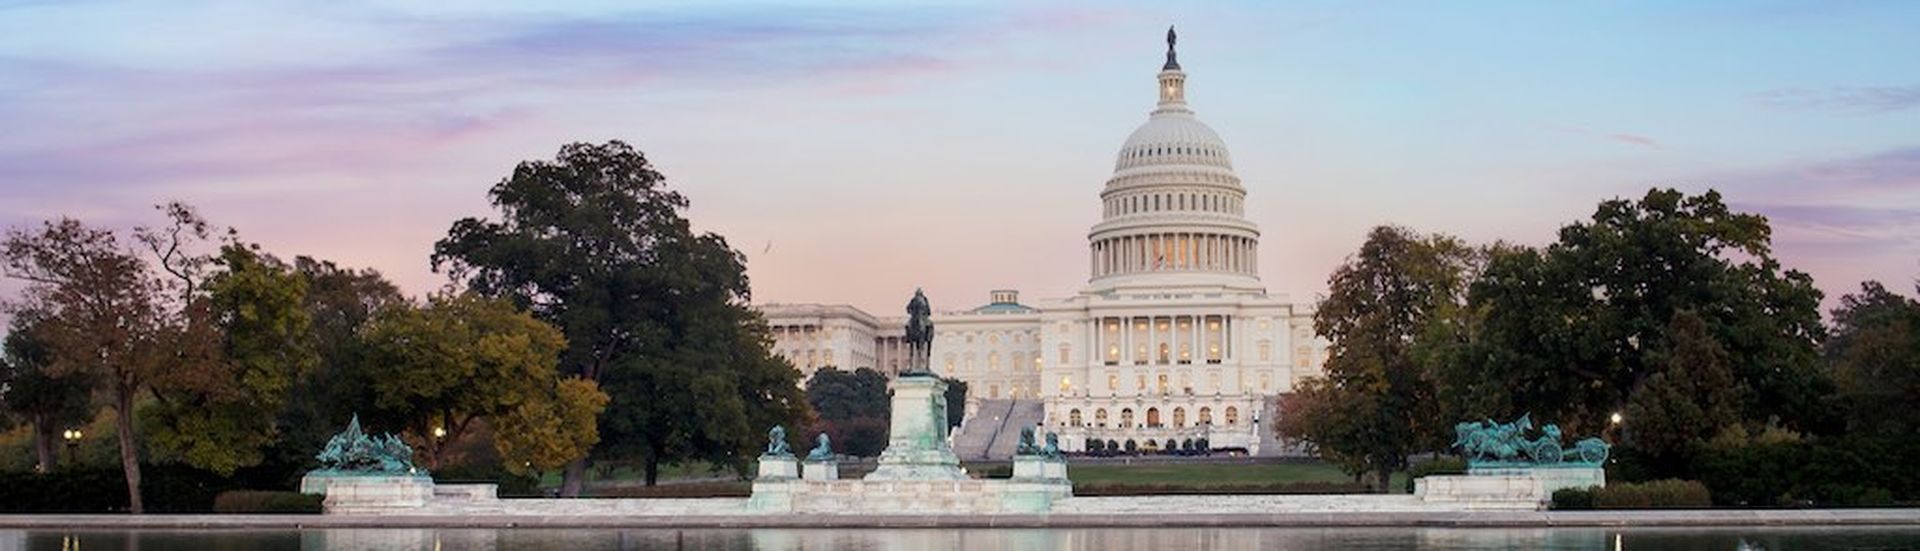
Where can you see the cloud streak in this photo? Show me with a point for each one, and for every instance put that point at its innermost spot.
(1843, 99)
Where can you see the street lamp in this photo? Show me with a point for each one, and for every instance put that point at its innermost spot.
(72, 437)
(439, 433)
(1616, 418)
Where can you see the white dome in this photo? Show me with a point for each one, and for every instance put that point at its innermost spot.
(1174, 138)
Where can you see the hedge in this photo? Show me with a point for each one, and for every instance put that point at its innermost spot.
(1635, 495)
(1820, 472)
(1437, 466)
(164, 489)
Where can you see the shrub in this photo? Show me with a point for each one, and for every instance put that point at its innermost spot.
(165, 489)
(256, 501)
(1654, 494)
(1573, 498)
(1826, 471)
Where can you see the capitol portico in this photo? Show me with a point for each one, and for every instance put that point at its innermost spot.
(1174, 341)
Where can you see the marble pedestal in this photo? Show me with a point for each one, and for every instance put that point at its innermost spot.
(917, 446)
(774, 467)
(1036, 467)
(356, 494)
(1505, 488)
(821, 470)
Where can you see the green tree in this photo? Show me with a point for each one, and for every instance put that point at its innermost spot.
(1568, 332)
(853, 408)
(104, 318)
(1874, 358)
(217, 411)
(956, 402)
(466, 358)
(594, 243)
(1689, 402)
(709, 396)
(47, 402)
(339, 301)
(1379, 304)
(836, 394)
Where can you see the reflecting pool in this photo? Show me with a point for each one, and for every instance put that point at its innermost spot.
(1093, 539)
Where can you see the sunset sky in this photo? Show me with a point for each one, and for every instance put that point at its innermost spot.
(854, 151)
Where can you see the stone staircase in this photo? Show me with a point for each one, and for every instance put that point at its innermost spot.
(992, 432)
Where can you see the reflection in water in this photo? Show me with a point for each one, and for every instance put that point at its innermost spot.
(1090, 539)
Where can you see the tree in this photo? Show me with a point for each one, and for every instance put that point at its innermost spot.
(1568, 332)
(837, 395)
(1379, 304)
(710, 396)
(1874, 359)
(1692, 400)
(104, 318)
(466, 358)
(853, 408)
(29, 390)
(339, 301)
(217, 410)
(594, 243)
(956, 402)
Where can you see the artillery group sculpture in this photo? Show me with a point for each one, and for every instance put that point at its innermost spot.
(1491, 445)
(353, 452)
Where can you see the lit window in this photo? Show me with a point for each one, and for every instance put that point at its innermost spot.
(1066, 385)
(1233, 415)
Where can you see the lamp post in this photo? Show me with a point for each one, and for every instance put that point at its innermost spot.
(1613, 426)
(72, 436)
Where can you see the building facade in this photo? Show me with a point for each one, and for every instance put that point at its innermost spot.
(1173, 341)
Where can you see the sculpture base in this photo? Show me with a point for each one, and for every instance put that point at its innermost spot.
(366, 494)
(1506, 488)
(1035, 467)
(778, 467)
(908, 497)
(917, 446)
(821, 470)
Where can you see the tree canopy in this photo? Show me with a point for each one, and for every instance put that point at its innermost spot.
(593, 242)
(1375, 405)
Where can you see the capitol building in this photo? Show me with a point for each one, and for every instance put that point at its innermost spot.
(1173, 342)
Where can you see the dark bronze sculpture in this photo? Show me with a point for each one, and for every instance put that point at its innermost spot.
(919, 336)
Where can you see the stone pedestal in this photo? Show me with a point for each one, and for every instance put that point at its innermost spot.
(1036, 467)
(778, 467)
(352, 494)
(1516, 488)
(917, 446)
(821, 470)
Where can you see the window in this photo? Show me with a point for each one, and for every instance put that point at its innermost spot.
(1126, 418)
(1073, 417)
(1162, 380)
(1266, 380)
(1206, 415)
(1140, 383)
(1233, 415)
(1100, 417)
(1113, 381)
(1213, 381)
(1066, 385)
(993, 361)
(1179, 417)
(993, 391)
(1266, 351)
(949, 363)
(1153, 417)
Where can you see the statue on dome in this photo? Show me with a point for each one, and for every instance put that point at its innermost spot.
(919, 335)
(1173, 64)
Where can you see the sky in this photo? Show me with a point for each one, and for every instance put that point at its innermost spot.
(854, 151)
